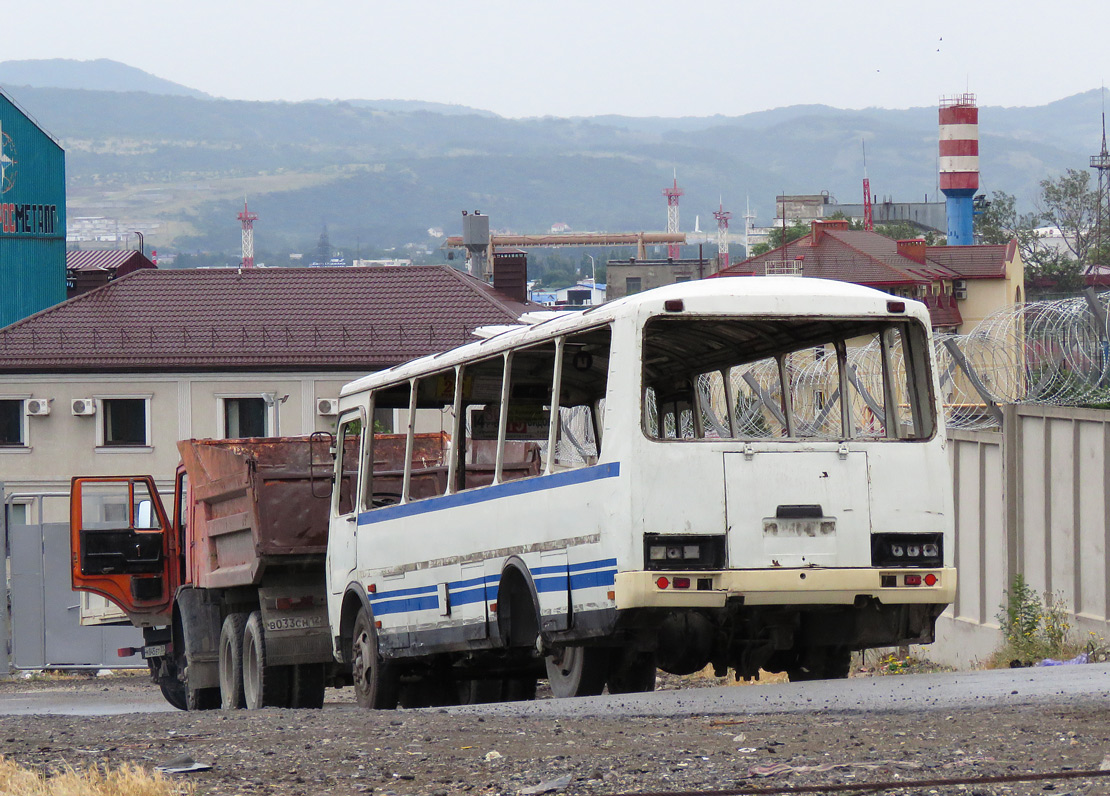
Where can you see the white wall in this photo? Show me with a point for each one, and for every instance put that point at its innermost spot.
(182, 406)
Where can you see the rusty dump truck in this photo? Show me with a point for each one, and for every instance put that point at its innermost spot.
(228, 582)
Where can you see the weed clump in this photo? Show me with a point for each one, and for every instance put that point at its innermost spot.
(126, 780)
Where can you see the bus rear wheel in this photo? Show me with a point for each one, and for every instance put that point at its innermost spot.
(375, 679)
(577, 671)
(821, 663)
(632, 673)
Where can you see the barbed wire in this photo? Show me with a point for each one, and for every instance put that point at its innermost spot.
(1045, 352)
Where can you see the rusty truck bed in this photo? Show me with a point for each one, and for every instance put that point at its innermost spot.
(262, 503)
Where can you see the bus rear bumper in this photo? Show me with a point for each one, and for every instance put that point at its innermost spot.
(810, 586)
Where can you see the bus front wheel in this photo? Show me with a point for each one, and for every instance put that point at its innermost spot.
(578, 671)
(375, 679)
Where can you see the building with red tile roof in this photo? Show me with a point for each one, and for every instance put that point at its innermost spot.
(107, 382)
(961, 285)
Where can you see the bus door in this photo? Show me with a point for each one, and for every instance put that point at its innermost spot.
(798, 509)
(121, 544)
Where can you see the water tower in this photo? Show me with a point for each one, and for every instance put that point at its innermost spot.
(959, 165)
(476, 240)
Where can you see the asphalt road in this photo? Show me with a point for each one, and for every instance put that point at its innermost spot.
(1077, 685)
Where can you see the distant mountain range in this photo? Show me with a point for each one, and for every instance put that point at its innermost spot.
(380, 173)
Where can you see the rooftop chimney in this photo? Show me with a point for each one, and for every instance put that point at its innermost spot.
(831, 225)
(913, 249)
(510, 274)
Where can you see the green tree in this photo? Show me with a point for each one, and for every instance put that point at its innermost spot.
(1001, 223)
(777, 234)
(1069, 204)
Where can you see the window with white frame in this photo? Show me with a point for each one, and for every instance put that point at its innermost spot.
(245, 416)
(125, 422)
(13, 428)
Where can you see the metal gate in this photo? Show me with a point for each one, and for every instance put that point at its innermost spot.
(45, 619)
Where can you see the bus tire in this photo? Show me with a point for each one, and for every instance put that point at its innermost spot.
(231, 662)
(307, 687)
(577, 671)
(632, 673)
(264, 685)
(375, 679)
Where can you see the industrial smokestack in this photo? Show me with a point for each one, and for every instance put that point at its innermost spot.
(959, 165)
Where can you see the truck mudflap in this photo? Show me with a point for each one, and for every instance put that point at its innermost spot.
(295, 618)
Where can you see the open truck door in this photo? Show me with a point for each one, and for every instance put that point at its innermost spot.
(122, 545)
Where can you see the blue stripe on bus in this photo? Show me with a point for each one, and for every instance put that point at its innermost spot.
(484, 589)
(470, 497)
(404, 606)
(548, 570)
(605, 562)
(588, 579)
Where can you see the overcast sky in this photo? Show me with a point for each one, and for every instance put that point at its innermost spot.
(587, 57)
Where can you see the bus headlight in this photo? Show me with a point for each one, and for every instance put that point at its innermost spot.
(684, 552)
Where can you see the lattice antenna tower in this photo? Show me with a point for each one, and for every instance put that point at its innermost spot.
(248, 218)
(722, 217)
(672, 194)
(1101, 163)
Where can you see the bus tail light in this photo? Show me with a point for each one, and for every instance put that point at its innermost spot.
(912, 580)
(662, 582)
(683, 552)
(907, 550)
(682, 583)
(931, 579)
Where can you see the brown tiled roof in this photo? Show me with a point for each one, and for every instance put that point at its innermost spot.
(943, 311)
(975, 262)
(262, 319)
(105, 260)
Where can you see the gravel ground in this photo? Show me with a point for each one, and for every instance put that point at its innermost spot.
(345, 750)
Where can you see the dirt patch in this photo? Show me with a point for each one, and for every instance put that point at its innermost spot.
(345, 750)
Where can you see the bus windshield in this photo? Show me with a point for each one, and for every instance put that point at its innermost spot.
(804, 378)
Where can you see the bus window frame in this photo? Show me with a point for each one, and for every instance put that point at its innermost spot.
(913, 339)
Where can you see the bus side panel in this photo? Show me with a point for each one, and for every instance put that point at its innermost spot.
(434, 565)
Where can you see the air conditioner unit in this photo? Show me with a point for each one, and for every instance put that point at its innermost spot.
(327, 406)
(37, 407)
(959, 292)
(83, 407)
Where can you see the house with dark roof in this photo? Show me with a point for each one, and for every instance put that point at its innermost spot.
(88, 270)
(961, 285)
(106, 383)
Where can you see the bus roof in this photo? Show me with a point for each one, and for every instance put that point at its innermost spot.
(763, 296)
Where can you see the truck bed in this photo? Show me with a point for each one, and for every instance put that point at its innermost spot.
(263, 503)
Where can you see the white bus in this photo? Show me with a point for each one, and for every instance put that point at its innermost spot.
(743, 472)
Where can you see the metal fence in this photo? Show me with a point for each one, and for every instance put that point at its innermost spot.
(41, 622)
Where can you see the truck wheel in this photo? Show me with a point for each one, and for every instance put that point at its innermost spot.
(174, 692)
(264, 685)
(308, 686)
(375, 680)
(578, 671)
(231, 662)
(202, 698)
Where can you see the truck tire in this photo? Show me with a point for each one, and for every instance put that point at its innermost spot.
(577, 671)
(307, 688)
(375, 680)
(174, 692)
(264, 685)
(231, 662)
